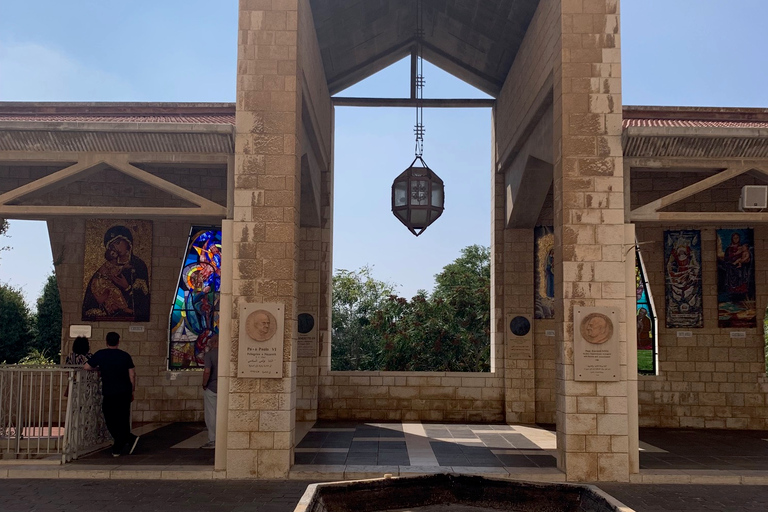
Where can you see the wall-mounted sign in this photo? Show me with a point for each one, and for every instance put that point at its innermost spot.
(549, 333)
(136, 328)
(596, 344)
(260, 351)
(308, 329)
(518, 336)
(738, 335)
(79, 330)
(684, 334)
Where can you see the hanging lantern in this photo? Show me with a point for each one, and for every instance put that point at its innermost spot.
(418, 193)
(418, 197)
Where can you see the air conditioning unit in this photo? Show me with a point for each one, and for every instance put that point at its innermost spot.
(753, 197)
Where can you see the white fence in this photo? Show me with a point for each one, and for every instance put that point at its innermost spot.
(49, 412)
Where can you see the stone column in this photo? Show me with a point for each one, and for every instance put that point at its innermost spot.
(592, 417)
(266, 230)
(519, 373)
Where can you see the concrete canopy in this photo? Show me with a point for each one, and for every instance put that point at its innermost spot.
(476, 41)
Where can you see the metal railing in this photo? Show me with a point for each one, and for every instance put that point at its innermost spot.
(50, 411)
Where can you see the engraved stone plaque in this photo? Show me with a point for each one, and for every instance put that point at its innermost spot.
(260, 351)
(596, 344)
(518, 336)
(307, 341)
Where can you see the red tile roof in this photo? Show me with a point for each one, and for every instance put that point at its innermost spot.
(188, 113)
(695, 117)
(62, 118)
(679, 123)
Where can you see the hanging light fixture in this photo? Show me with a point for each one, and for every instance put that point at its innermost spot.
(418, 194)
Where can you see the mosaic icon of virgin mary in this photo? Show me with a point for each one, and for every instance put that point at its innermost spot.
(119, 288)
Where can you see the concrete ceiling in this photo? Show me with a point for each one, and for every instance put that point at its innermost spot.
(474, 40)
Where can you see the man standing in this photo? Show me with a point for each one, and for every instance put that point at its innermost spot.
(210, 378)
(118, 382)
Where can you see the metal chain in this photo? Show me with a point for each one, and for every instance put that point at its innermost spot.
(419, 128)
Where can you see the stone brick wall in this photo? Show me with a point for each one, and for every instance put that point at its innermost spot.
(314, 248)
(412, 396)
(708, 380)
(158, 397)
(517, 103)
(592, 417)
(309, 300)
(524, 92)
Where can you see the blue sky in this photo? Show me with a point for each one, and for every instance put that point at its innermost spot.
(675, 52)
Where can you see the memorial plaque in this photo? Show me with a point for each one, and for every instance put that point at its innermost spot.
(596, 344)
(79, 330)
(308, 330)
(518, 336)
(260, 351)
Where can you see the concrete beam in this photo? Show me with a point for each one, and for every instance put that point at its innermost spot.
(408, 102)
(526, 197)
(24, 212)
(68, 157)
(529, 175)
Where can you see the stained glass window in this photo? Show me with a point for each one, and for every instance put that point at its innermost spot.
(195, 312)
(646, 322)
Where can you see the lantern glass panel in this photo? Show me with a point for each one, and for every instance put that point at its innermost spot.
(419, 195)
(437, 195)
(402, 214)
(419, 218)
(401, 193)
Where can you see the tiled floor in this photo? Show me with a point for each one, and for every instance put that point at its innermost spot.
(688, 449)
(426, 445)
(337, 451)
(160, 444)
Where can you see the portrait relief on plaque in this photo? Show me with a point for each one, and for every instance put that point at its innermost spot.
(596, 328)
(261, 325)
(596, 344)
(260, 340)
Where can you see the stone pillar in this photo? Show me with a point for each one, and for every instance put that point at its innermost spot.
(519, 373)
(310, 261)
(266, 230)
(592, 417)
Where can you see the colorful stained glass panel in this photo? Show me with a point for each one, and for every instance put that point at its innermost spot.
(195, 313)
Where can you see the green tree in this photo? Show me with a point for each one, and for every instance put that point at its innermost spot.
(3, 230)
(16, 331)
(357, 296)
(48, 320)
(447, 331)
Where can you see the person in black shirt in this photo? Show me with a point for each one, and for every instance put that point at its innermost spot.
(118, 382)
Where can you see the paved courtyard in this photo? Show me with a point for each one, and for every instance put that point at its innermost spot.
(169, 471)
(282, 496)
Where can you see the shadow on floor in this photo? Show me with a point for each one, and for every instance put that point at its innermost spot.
(157, 448)
(704, 449)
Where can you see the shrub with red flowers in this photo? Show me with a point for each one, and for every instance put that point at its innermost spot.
(447, 330)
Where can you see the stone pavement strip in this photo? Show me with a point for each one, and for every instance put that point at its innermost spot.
(60, 495)
(690, 497)
(149, 495)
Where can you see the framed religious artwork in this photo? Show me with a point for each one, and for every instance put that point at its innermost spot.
(117, 270)
(544, 272)
(682, 277)
(736, 278)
